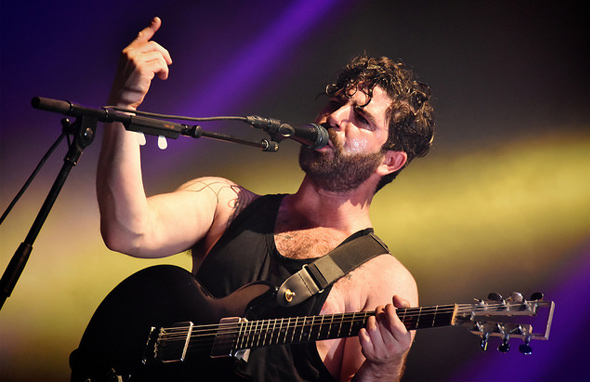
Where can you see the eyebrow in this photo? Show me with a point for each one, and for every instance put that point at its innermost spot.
(365, 114)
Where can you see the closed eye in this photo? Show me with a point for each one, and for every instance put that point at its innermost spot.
(362, 116)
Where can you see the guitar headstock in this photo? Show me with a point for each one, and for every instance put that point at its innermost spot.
(507, 318)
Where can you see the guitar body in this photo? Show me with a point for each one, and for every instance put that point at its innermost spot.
(112, 347)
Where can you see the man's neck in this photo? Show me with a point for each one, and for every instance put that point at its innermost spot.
(313, 207)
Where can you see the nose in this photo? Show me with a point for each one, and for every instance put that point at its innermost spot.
(338, 117)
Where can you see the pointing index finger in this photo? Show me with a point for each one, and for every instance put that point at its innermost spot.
(148, 32)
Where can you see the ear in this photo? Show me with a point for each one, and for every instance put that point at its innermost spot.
(392, 161)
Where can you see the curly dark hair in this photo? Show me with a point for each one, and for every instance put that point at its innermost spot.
(411, 120)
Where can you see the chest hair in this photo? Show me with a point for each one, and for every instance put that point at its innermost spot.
(306, 243)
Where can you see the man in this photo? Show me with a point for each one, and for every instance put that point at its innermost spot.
(208, 215)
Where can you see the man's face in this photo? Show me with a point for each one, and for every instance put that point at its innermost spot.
(357, 132)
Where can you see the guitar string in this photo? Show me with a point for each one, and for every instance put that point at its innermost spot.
(345, 318)
(253, 336)
(204, 339)
(257, 328)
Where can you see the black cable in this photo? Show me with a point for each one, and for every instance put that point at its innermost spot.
(177, 117)
(32, 176)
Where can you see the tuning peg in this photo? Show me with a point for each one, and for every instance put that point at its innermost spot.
(537, 296)
(505, 346)
(484, 341)
(525, 348)
(516, 297)
(495, 297)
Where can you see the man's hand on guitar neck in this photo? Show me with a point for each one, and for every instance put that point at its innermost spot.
(385, 343)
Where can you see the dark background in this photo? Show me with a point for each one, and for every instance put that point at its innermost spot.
(500, 204)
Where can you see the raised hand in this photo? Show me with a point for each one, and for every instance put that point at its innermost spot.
(140, 61)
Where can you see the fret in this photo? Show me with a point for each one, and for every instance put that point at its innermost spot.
(302, 330)
(245, 335)
(434, 316)
(351, 325)
(410, 319)
(252, 334)
(418, 318)
(426, 320)
(340, 326)
(240, 341)
(346, 324)
(273, 331)
(249, 334)
(403, 316)
(359, 323)
(330, 327)
(257, 333)
(294, 328)
(288, 330)
(310, 331)
(269, 332)
(253, 329)
(260, 332)
(283, 332)
(319, 331)
(265, 331)
(443, 318)
(326, 327)
(320, 335)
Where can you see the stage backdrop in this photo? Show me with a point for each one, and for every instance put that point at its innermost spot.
(501, 204)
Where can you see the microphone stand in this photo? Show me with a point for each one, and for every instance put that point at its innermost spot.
(84, 131)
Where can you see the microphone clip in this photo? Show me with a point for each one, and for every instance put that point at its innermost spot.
(312, 136)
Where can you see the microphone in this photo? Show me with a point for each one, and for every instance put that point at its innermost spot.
(311, 135)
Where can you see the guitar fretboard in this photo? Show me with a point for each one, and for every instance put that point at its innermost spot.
(293, 330)
(226, 338)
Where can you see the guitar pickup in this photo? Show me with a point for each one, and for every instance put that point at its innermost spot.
(224, 344)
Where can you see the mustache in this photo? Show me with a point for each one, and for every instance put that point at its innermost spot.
(332, 135)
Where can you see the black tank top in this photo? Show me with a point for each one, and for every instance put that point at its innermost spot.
(246, 252)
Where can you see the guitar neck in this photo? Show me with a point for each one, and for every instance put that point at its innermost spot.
(292, 330)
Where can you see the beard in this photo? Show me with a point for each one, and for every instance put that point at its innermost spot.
(338, 172)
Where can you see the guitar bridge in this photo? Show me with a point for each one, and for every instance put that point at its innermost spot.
(168, 345)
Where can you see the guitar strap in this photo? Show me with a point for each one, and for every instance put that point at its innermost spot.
(315, 277)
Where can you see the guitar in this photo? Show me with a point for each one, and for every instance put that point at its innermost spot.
(135, 333)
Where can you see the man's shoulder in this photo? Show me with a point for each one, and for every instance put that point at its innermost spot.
(372, 284)
(386, 268)
(385, 276)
